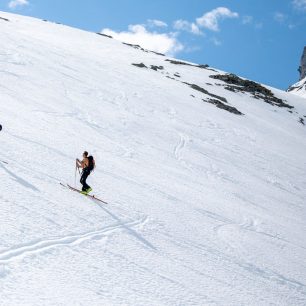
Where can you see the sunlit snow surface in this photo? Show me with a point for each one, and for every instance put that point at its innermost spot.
(299, 88)
(205, 207)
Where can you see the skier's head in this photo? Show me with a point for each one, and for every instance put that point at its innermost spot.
(85, 154)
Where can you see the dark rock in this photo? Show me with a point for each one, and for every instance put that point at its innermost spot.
(232, 88)
(302, 120)
(300, 86)
(177, 75)
(203, 66)
(153, 67)
(198, 88)
(105, 35)
(142, 49)
(206, 67)
(217, 100)
(226, 107)
(135, 46)
(258, 91)
(157, 53)
(5, 19)
(140, 65)
(175, 62)
(302, 68)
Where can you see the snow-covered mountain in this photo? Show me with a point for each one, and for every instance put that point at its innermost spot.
(204, 174)
(299, 88)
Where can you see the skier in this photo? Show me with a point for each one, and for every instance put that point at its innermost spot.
(87, 164)
(0, 127)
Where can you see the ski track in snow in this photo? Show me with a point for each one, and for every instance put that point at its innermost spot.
(253, 270)
(178, 152)
(248, 224)
(70, 240)
(179, 147)
(224, 195)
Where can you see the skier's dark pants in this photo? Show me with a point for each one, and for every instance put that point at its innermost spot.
(83, 179)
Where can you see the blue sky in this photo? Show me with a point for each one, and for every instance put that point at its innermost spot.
(261, 40)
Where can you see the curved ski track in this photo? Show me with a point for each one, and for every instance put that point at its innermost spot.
(40, 246)
(180, 146)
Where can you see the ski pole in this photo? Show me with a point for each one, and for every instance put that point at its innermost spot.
(75, 175)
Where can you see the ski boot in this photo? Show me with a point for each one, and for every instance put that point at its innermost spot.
(87, 191)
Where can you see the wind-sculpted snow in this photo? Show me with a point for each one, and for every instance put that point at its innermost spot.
(206, 206)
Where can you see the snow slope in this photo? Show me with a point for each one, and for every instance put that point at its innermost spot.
(299, 88)
(206, 207)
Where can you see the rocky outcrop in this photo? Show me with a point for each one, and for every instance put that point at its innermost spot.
(299, 88)
(175, 62)
(302, 68)
(216, 100)
(258, 91)
(204, 91)
(5, 19)
(108, 36)
(142, 49)
(140, 65)
(154, 67)
(226, 107)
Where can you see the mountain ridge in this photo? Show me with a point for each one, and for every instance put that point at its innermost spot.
(299, 88)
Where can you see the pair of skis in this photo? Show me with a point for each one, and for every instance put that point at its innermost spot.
(79, 191)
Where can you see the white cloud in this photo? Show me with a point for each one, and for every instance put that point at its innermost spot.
(247, 19)
(157, 23)
(143, 34)
(259, 25)
(184, 25)
(216, 41)
(299, 4)
(211, 19)
(279, 17)
(15, 3)
(181, 25)
(159, 42)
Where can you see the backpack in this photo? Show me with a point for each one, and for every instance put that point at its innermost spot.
(91, 163)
